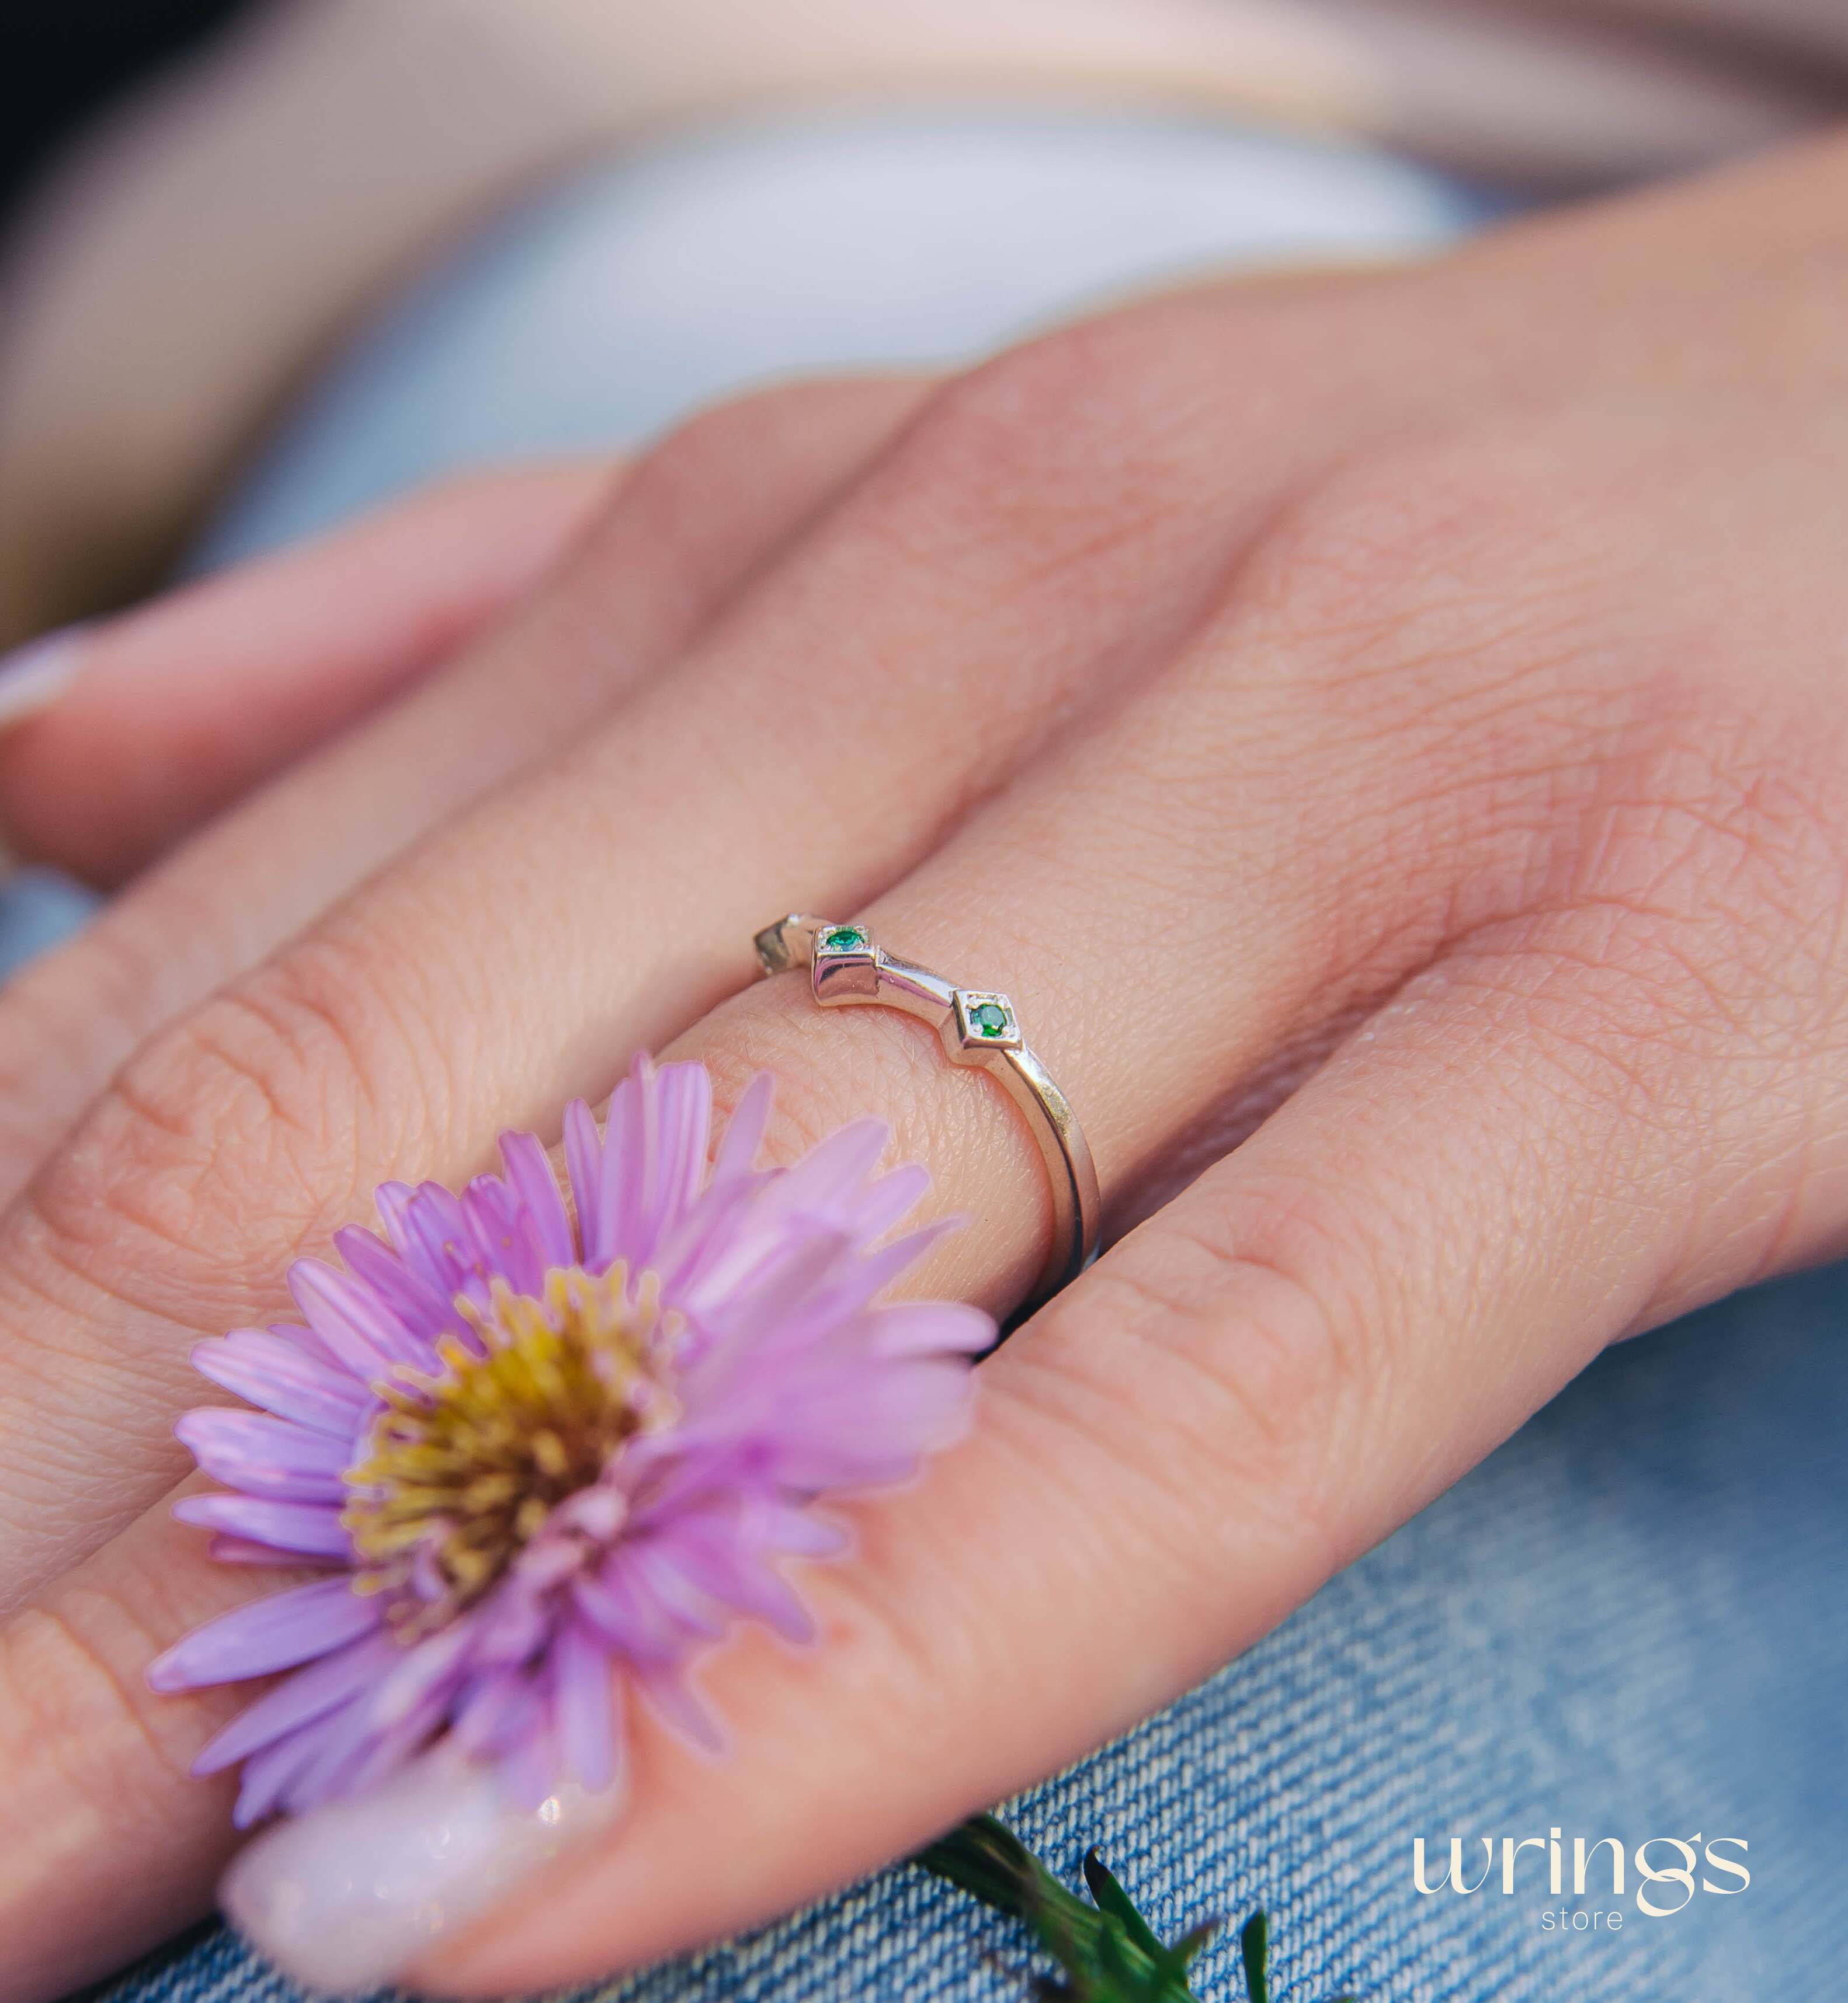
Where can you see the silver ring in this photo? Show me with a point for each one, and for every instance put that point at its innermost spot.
(978, 1027)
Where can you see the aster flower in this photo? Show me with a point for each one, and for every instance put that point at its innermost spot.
(530, 1447)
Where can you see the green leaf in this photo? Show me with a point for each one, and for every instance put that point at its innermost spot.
(1254, 1946)
(1112, 1900)
(1125, 1970)
(987, 1861)
(1108, 1952)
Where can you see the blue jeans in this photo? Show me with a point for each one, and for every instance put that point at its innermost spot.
(1625, 1623)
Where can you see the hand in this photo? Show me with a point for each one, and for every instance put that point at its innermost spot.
(1394, 721)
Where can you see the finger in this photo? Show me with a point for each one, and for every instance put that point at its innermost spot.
(1006, 620)
(72, 1675)
(1257, 916)
(1612, 1097)
(1031, 893)
(601, 902)
(687, 527)
(1261, 1382)
(144, 725)
(1316, 888)
(1314, 1339)
(956, 609)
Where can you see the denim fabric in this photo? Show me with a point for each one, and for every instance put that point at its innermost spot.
(38, 907)
(1628, 1622)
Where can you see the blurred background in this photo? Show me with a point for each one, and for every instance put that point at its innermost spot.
(205, 203)
(60, 66)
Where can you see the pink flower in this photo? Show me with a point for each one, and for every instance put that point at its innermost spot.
(528, 1451)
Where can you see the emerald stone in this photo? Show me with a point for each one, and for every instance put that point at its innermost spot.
(844, 939)
(989, 1018)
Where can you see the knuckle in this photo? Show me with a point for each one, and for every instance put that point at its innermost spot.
(789, 439)
(1045, 459)
(1237, 1367)
(1709, 822)
(680, 473)
(1403, 628)
(1699, 909)
(710, 446)
(698, 515)
(226, 1142)
(1458, 552)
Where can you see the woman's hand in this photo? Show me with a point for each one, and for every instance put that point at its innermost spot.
(1405, 710)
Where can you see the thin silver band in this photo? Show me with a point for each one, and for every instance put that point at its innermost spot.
(978, 1027)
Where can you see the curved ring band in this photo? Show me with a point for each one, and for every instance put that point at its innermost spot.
(977, 1027)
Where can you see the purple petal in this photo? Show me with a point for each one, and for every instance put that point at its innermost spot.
(584, 1709)
(763, 1288)
(309, 1694)
(529, 1171)
(823, 1184)
(705, 1237)
(434, 1667)
(707, 1555)
(584, 1166)
(350, 1319)
(802, 1534)
(278, 1373)
(529, 1768)
(881, 1204)
(681, 1103)
(341, 1744)
(223, 1550)
(424, 1311)
(501, 1236)
(387, 1749)
(273, 1457)
(267, 1635)
(427, 1232)
(512, 1624)
(667, 1691)
(737, 1156)
(840, 1431)
(269, 1775)
(929, 1328)
(312, 1530)
(612, 1232)
(871, 1275)
(651, 1571)
(497, 1711)
(634, 1621)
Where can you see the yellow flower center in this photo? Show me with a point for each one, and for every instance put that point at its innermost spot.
(465, 1464)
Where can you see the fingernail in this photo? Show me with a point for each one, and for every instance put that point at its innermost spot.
(348, 1895)
(34, 677)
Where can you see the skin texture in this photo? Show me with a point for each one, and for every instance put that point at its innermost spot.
(1409, 705)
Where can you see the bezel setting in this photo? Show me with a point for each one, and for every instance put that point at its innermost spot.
(977, 1028)
(844, 964)
(985, 1020)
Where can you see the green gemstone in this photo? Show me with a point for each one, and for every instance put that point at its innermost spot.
(989, 1019)
(844, 939)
